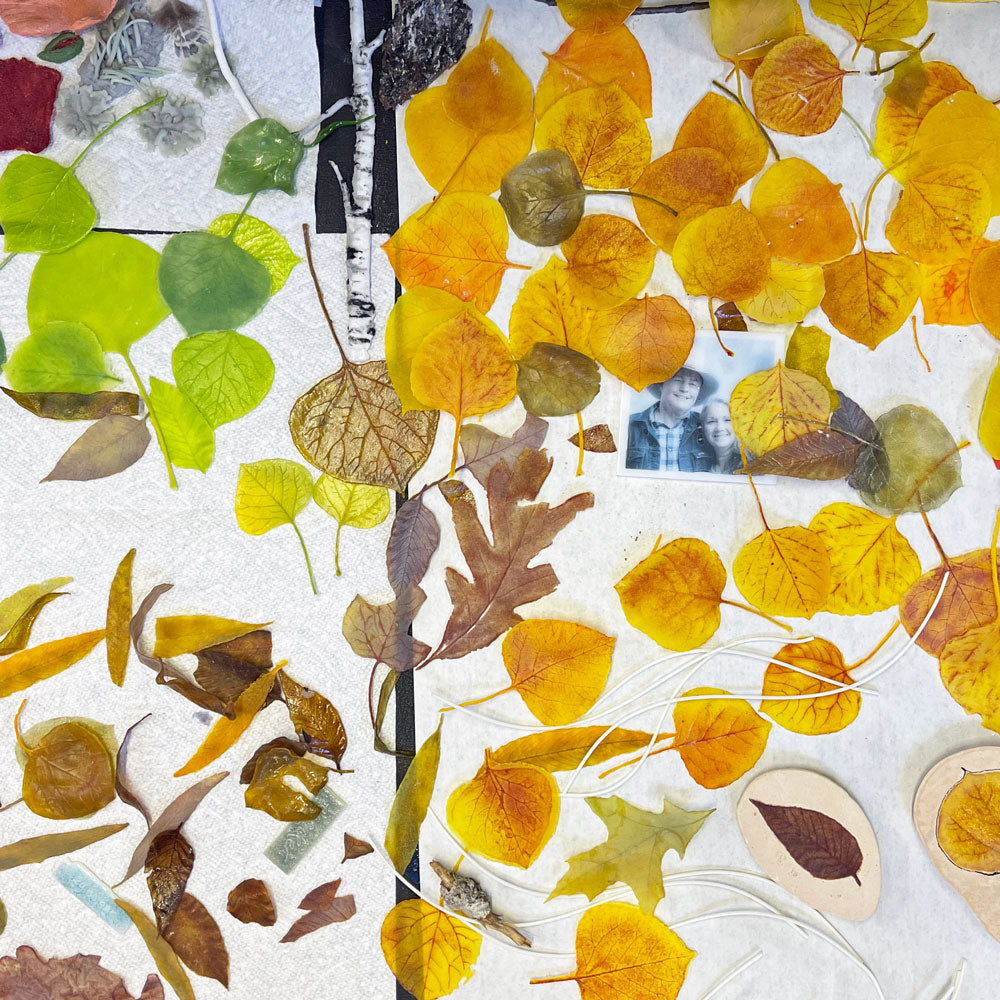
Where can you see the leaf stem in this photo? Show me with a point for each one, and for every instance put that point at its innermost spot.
(485, 697)
(100, 135)
(319, 293)
(879, 70)
(871, 193)
(10, 805)
(336, 549)
(738, 98)
(17, 726)
(636, 760)
(753, 486)
(871, 145)
(945, 561)
(632, 194)
(715, 327)
(553, 979)
(454, 448)
(160, 439)
(579, 461)
(7, 259)
(241, 216)
(305, 552)
(881, 643)
(993, 560)
(916, 343)
(755, 611)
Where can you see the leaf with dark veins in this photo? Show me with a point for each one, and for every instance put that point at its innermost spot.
(380, 632)
(413, 540)
(482, 448)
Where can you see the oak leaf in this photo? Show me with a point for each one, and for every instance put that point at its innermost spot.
(487, 91)
(873, 20)
(596, 15)
(564, 749)
(968, 824)
(970, 670)
(482, 448)
(791, 293)
(546, 311)
(26, 974)
(609, 260)
(720, 124)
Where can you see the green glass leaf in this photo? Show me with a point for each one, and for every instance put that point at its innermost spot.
(188, 436)
(262, 156)
(107, 283)
(554, 380)
(210, 283)
(43, 207)
(262, 242)
(59, 357)
(225, 374)
(63, 47)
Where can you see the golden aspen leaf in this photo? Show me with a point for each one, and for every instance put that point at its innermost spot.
(718, 739)
(784, 571)
(594, 59)
(989, 417)
(487, 91)
(413, 796)
(970, 670)
(625, 954)
(720, 124)
(750, 66)
(762, 406)
(984, 288)
(871, 564)
(673, 595)
(596, 15)
(945, 292)
(564, 749)
(940, 214)
(809, 716)
(547, 312)
(873, 20)
(430, 952)
(163, 955)
(791, 293)
(802, 213)
(179, 634)
(506, 813)
(454, 158)
(968, 823)
(225, 732)
(798, 88)
(609, 261)
(869, 295)
(690, 181)
(117, 639)
(457, 243)
(809, 351)
(723, 254)
(896, 125)
(644, 340)
(29, 666)
(602, 131)
(745, 29)
(559, 668)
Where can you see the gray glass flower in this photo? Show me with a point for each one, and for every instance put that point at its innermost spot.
(173, 127)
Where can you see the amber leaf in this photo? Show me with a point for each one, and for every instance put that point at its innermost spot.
(169, 862)
(251, 903)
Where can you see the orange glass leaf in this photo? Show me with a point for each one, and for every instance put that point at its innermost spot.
(798, 88)
(506, 813)
(596, 15)
(644, 340)
(791, 293)
(945, 294)
(719, 740)
(745, 29)
(720, 124)
(49, 17)
(594, 59)
(761, 406)
(690, 181)
(609, 261)
(564, 749)
(602, 131)
(802, 213)
(984, 288)
(970, 670)
(816, 716)
(547, 312)
(180, 634)
(968, 825)
(723, 254)
(457, 243)
(487, 91)
(870, 295)
(28, 666)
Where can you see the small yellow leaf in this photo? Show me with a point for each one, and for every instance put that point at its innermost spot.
(746, 29)
(596, 15)
(968, 826)
(871, 20)
(720, 124)
(179, 634)
(487, 91)
(11, 608)
(352, 504)
(119, 617)
(270, 493)
(29, 666)
(809, 351)
(547, 312)
(163, 955)
(791, 293)
(609, 261)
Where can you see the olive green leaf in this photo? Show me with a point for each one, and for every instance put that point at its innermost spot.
(543, 198)
(555, 381)
(262, 242)
(59, 357)
(104, 449)
(62, 47)
(75, 405)
(187, 436)
(351, 504)
(262, 156)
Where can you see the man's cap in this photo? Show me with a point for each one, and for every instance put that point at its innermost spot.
(709, 383)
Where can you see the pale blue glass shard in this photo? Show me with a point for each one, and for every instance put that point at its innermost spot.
(296, 840)
(93, 893)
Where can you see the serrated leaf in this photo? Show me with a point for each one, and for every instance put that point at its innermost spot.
(264, 243)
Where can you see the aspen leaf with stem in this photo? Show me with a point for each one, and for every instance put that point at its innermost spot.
(727, 127)
(791, 293)
(555, 381)
(873, 20)
(261, 156)
(543, 198)
(609, 261)
(546, 311)
(744, 30)
(599, 16)
(59, 357)
(351, 504)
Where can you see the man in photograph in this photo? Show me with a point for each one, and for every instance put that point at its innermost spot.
(667, 436)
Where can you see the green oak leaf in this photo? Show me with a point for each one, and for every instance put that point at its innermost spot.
(43, 207)
(59, 357)
(262, 156)
(210, 283)
(225, 374)
(107, 282)
(262, 242)
(188, 436)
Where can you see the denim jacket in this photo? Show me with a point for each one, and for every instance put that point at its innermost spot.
(643, 452)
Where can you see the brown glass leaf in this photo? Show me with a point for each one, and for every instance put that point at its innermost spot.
(822, 454)
(105, 448)
(413, 540)
(543, 198)
(124, 792)
(269, 791)
(20, 632)
(381, 632)
(817, 843)
(482, 448)
(251, 903)
(315, 720)
(320, 897)
(27, 976)
(871, 471)
(597, 438)
(34, 850)
(297, 747)
(229, 668)
(76, 405)
(729, 317)
(554, 380)
(355, 847)
(197, 941)
(168, 865)
(325, 907)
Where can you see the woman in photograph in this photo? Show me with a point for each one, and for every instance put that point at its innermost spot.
(717, 430)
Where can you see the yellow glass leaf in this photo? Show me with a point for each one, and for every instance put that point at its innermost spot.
(644, 340)
(761, 406)
(872, 20)
(596, 15)
(457, 243)
(970, 670)
(547, 312)
(674, 594)
(791, 293)
(745, 29)
(870, 295)
(609, 260)
(984, 288)
(723, 254)
(29, 666)
(225, 732)
(118, 619)
(11, 608)
(559, 668)
(945, 292)
(690, 181)
(564, 749)
(720, 124)
(594, 59)
(602, 131)
(413, 796)
(166, 960)
(34, 850)
(968, 825)
(270, 493)
(454, 158)
(506, 813)
(487, 91)
(810, 716)
(989, 417)
(940, 214)
(802, 213)
(871, 564)
(809, 351)
(352, 504)
(784, 571)
(429, 952)
(179, 634)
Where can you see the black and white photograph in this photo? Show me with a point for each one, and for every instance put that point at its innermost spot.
(680, 428)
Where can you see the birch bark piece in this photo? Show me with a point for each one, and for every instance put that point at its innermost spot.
(802, 789)
(978, 890)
